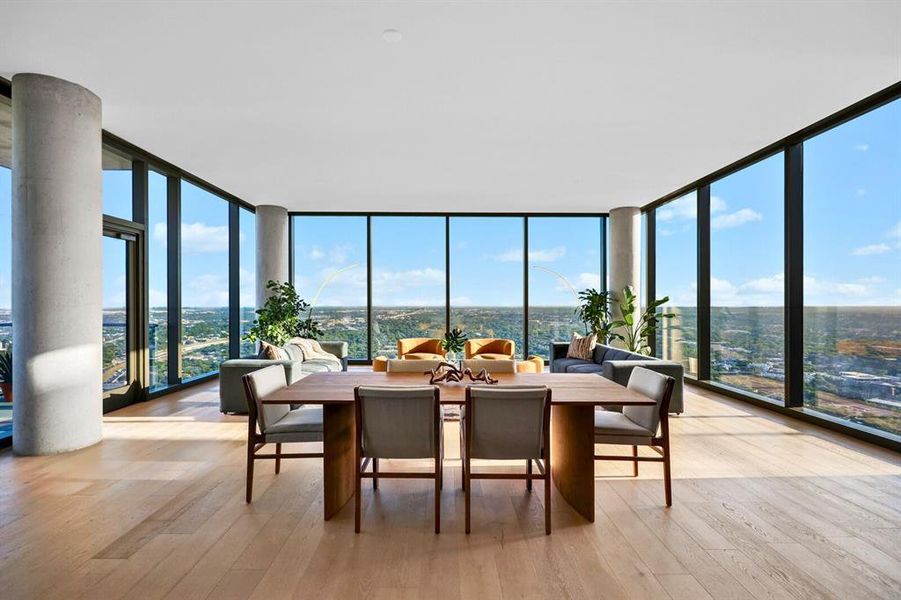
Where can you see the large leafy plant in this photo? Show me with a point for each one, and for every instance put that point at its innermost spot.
(635, 331)
(594, 311)
(454, 340)
(281, 318)
(6, 365)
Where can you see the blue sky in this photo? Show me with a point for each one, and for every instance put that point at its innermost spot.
(408, 260)
(852, 240)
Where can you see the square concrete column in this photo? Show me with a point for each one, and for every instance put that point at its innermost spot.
(272, 248)
(57, 295)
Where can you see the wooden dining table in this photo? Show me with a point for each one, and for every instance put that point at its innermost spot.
(574, 397)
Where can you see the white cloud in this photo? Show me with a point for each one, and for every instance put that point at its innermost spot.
(197, 237)
(717, 204)
(871, 249)
(873, 280)
(861, 192)
(544, 255)
(862, 147)
(589, 280)
(736, 219)
(158, 298)
(461, 301)
(206, 290)
(315, 254)
(851, 289)
(765, 285)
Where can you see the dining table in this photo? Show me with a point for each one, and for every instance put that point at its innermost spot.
(574, 399)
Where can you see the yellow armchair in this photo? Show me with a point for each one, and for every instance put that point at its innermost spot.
(490, 349)
(420, 349)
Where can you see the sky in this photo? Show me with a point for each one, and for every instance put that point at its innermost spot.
(852, 240)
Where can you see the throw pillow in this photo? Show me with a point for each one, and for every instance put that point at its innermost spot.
(270, 352)
(581, 346)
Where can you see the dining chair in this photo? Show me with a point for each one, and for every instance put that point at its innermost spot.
(401, 365)
(276, 423)
(397, 422)
(639, 425)
(507, 423)
(498, 365)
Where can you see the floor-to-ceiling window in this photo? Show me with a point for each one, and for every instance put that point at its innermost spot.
(486, 277)
(247, 269)
(852, 270)
(330, 273)
(747, 326)
(676, 268)
(6, 188)
(408, 280)
(117, 184)
(158, 270)
(204, 281)
(564, 257)
(115, 313)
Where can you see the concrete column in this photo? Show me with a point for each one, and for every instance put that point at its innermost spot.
(57, 295)
(625, 251)
(272, 248)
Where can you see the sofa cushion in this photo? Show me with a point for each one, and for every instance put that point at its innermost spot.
(581, 347)
(320, 365)
(271, 352)
(586, 368)
(294, 351)
(617, 354)
(599, 353)
(422, 356)
(492, 356)
(561, 365)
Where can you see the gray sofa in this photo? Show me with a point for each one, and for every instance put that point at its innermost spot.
(616, 365)
(231, 386)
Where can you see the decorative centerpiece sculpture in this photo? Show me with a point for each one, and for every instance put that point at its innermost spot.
(446, 372)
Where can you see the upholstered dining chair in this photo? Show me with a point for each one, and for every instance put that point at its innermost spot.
(493, 366)
(397, 365)
(420, 349)
(490, 349)
(507, 423)
(276, 423)
(397, 422)
(641, 425)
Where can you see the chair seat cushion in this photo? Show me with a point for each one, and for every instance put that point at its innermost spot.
(562, 364)
(423, 356)
(585, 368)
(492, 356)
(613, 427)
(301, 425)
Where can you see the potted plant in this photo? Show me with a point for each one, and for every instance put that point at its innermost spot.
(281, 319)
(6, 373)
(594, 311)
(635, 332)
(453, 343)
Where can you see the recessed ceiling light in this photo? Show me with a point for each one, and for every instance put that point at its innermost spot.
(392, 36)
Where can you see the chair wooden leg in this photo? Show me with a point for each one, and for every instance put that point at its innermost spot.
(249, 472)
(667, 483)
(467, 491)
(529, 472)
(547, 499)
(438, 496)
(634, 462)
(375, 472)
(358, 485)
(278, 460)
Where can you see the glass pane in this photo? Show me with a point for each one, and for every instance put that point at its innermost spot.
(115, 321)
(676, 238)
(330, 274)
(486, 277)
(248, 267)
(564, 258)
(852, 270)
(204, 281)
(407, 280)
(158, 270)
(117, 191)
(6, 330)
(746, 279)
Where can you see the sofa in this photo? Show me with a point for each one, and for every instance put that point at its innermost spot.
(231, 372)
(616, 365)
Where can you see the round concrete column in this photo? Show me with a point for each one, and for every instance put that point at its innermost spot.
(272, 248)
(57, 295)
(625, 250)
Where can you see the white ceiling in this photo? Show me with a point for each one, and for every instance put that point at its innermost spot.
(483, 106)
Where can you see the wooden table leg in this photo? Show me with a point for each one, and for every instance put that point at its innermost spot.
(572, 456)
(338, 460)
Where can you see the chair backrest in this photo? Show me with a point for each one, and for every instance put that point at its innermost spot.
(477, 346)
(492, 366)
(655, 386)
(429, 345)
(398, 421)
(260, 383)
(507, 422)
(400, 365)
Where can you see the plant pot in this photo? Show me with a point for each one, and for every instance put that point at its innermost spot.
(7, 389)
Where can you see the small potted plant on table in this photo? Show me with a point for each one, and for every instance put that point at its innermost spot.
(453, 343)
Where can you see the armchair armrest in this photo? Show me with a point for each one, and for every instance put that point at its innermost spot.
(620, 371)
(558, 350)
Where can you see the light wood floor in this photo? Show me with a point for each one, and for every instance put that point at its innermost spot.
(765, 507)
